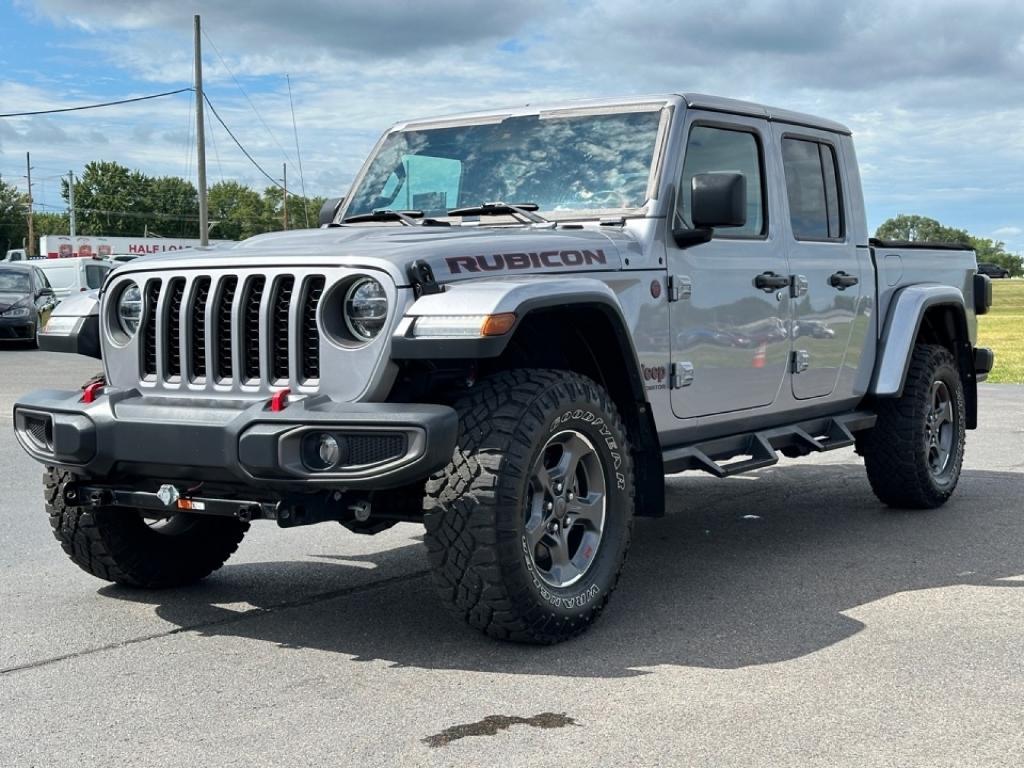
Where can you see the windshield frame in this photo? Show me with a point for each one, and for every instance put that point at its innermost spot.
(664, 107)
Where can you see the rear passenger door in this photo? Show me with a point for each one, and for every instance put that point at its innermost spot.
(828, 280)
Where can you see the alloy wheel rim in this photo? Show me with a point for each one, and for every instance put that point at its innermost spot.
(565, 510)
(940, 428)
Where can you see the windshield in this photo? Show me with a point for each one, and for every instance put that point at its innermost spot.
(563, 164)
(14, 282)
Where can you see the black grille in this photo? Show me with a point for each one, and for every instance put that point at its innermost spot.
(172, 346)
(251, 328)
(279, 328)
(310, 346)
(373, 449)
(224, 369)
(197, 341)
(149, 329)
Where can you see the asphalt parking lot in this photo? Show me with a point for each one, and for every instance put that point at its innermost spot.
(782, 618)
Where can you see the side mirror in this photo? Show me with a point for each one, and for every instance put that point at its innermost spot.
(329, 210)
(718, 200)
(44, 292)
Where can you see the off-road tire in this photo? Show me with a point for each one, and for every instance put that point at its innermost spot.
(896, 451)
(474, 507)
(117, 545)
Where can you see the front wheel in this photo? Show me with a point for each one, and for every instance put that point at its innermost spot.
(121, 545)
(914, 454)
(528, 526)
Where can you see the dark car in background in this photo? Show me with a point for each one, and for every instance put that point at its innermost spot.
(992, 270)
(26, 300)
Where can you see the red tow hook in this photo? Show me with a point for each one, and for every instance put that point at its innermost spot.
(92, 391)
(279, 400)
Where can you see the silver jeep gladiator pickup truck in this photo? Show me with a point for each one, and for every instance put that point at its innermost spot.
(512, 328)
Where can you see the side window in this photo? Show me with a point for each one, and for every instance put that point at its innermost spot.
(94, 274)
(812, 187)
(41, 277)
(721, 150)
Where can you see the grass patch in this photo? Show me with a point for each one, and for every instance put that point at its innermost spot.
(1002, 329)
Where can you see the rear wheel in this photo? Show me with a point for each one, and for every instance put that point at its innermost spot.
(528, 526)
(914, 454)
(125, 547)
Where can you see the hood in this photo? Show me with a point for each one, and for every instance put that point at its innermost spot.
(10, 299)
(453, 253)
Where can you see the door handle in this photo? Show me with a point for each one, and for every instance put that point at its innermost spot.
(842, 281)
(769, 281)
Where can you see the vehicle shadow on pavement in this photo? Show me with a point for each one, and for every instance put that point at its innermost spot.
(740, 572)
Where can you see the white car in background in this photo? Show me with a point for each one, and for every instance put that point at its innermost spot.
(75, 275)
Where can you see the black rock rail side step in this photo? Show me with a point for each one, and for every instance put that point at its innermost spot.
(824, 434)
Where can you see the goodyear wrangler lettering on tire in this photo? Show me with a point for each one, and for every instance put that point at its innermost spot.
(529, 525)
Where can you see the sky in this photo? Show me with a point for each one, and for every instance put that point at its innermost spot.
(933, 91)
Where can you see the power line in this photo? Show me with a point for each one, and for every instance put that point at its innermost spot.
(95, 106)
(126, 214)
(255, 111)
(302, 178)
(245, 152)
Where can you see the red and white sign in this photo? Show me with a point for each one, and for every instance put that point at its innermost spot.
(64, 247)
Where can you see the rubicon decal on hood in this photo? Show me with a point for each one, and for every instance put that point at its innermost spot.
(533, 260)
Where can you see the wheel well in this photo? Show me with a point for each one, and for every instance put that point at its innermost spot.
(591, 340)
(946, 324)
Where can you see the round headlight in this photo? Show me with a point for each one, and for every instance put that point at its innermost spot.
(366, 308)
(129, 309)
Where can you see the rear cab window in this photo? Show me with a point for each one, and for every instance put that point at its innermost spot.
(812, 189)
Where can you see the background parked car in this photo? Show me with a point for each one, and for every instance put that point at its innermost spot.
(74, 275)
(26, 301)
(992, 270)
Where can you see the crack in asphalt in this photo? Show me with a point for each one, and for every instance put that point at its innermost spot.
(253, 613)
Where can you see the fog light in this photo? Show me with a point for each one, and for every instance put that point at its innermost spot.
(329, 450)
(323, 451)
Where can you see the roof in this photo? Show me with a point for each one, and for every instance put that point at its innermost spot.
(737, 107)
(656, 101)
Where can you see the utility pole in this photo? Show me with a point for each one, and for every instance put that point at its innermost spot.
(285, 166)
(204, 213)
(31, 247)
(71, 201)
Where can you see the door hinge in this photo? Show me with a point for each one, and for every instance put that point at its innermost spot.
(798, 287)
(679, 287)
(682, 375)
(801, 360)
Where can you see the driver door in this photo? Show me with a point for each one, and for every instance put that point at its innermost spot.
(729, 339)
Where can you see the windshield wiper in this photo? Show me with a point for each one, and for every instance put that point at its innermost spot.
(408, 218)
(525, 211)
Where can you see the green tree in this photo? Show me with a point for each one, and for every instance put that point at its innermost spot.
(238, 210)
(13, 221)
(111, 199)
(174, 204)
(916, 228)
(51, 224)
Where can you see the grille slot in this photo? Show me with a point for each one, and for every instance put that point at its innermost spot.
(223, 363)
(149, 329)
(309, 348)
(279, 308)
(171, 342)
(197, 338)
(251, 328)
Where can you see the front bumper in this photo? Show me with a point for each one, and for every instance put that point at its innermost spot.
(123, 434)
(17, 328)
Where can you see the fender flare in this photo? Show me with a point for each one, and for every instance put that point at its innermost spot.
(902, 325)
